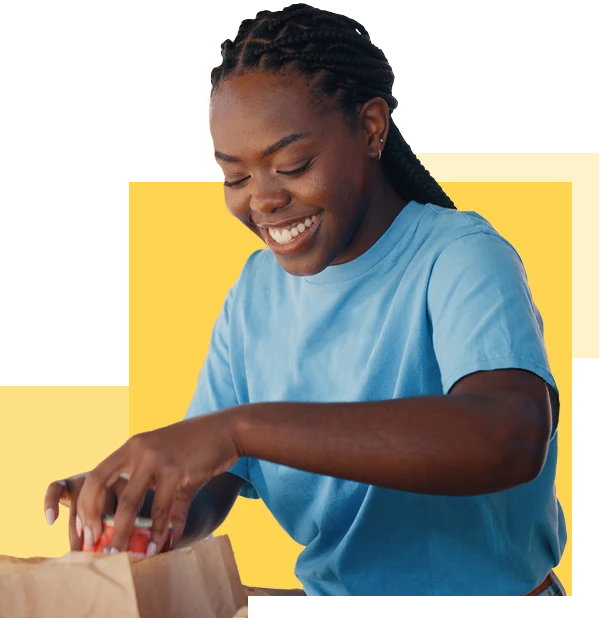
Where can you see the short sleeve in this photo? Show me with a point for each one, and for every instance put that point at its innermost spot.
(482, 313)
(215, 387)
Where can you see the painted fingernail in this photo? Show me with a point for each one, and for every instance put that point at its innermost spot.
(88, 537)
(152, 549)
(78, 525)
(114, 550)
(50, 516)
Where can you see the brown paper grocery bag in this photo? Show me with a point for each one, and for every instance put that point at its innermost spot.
(199, 581)
(73, 586)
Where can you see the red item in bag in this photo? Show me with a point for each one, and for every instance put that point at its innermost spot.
(140, 537)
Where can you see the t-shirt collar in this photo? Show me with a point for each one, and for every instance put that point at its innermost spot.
(373, 255)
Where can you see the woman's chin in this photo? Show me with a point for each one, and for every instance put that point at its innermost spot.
(301, 266)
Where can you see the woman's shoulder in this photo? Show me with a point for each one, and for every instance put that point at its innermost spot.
(456, 222)
(439, 228)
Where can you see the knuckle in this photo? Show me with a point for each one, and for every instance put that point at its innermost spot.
(185, 482)
(178, 517)
(179, 511)
(92, 480)
(138, 443)
(76, 482)
(134, 441)
(55, 488)
(170, 471)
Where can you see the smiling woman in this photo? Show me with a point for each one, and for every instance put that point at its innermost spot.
(295, 162)
(378, 374)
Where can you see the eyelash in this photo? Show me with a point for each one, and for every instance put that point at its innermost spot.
(295, 172)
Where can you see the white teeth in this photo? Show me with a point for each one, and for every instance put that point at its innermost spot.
(286, 235)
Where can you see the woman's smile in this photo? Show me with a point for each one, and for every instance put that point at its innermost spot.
(293, 237)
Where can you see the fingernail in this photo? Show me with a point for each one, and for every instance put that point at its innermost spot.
(88, 537)
(50, 516)
(114, 550)
(78, 525)
(152, 549)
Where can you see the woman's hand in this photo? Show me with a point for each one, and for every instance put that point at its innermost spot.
(175, 461)
(66, 492)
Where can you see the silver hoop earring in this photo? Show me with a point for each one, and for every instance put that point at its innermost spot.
(379, 157)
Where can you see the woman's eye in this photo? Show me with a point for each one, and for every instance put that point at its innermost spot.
(236, 183)
(299, 170)
(295, 172)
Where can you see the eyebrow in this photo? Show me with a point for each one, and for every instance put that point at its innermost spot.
(282, 143)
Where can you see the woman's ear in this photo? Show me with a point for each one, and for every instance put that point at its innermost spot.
(374, 120)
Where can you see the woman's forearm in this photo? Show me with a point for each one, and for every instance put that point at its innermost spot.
(450, 444)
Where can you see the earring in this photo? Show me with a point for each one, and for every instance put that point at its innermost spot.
(381, 139)
(379, 157)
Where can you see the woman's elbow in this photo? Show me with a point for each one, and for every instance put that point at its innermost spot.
(526, 445)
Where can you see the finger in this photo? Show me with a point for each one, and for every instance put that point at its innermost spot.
(90, 504)
(117, 490)
(75, 523)
(74, 485)
(119, 486)
(127, 509)
(179, 515)
(94, 493)
(75, 537)
(162, 507)
(56, 492)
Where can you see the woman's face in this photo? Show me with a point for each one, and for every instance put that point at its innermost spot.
(297, 176)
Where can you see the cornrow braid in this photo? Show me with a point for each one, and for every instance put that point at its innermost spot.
(338, 54)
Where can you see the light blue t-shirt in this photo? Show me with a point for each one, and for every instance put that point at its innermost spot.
(439, 296)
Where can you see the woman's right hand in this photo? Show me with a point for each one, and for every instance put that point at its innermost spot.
(66, 492)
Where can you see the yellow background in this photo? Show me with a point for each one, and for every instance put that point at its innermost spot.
(116, 249)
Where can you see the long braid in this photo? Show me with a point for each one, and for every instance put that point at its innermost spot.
(338, 54)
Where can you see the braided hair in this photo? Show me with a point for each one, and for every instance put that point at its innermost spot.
(337, 55)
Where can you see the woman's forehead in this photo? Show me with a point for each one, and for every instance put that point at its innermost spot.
(261, 105)
(264, 95)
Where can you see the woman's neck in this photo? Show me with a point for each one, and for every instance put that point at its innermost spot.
(382, 206)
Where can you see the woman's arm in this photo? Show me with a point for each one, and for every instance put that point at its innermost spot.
(491, 433)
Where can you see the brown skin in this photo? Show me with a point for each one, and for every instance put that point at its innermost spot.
(207, 511)
(489, 434)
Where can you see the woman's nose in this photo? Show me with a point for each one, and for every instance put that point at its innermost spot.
(268, 198)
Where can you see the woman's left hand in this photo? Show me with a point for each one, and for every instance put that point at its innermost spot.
(175, 461)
